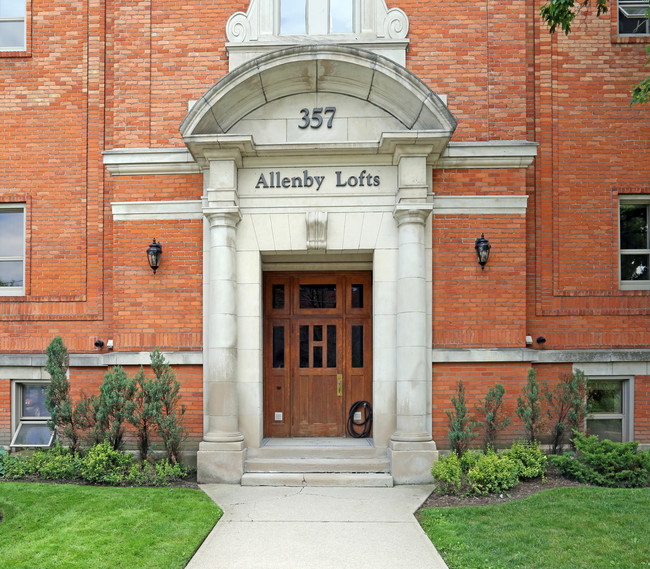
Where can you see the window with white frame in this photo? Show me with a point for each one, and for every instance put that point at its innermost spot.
(317, 17)
(611, 402)
(13, 18)
(12, 249)
(633, 17)
(634, 242)
(30, 415)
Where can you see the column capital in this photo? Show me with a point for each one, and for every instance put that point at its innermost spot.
(412, 213)
(220, 217)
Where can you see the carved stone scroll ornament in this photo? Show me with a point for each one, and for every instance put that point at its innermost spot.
(396, 24)
(316, 230)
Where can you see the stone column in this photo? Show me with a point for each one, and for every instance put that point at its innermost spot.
(411, 449)
(221, 454)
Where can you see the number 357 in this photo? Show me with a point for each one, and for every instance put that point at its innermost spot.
(316, 118)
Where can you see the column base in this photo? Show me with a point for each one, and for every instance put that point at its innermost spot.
(220, 463)
(411, 462)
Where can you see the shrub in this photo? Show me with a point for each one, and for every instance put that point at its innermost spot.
(448, 474)
(104, 464)
(568, 407)
(493, 473)
(4, 455)
(143, 411)
(57, 463)
(605, 463)
(461, 428)
(490, 409)
(19, 466)
(468, 460)
(169, 419)
(63, 419)
(530, 460)
(115, 394)
(529, 409)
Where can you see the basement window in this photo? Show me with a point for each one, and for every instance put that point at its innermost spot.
(31, 415)
(633, 18)
(611, 408)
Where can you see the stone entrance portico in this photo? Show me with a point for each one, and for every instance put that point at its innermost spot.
(317, 158)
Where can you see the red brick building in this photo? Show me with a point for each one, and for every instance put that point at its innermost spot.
(317, 173)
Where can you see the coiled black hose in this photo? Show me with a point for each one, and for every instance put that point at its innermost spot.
(366, 422)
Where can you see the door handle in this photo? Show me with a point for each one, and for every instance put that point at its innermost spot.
(339, 384)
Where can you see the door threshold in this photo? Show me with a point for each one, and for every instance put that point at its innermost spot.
(322, 442)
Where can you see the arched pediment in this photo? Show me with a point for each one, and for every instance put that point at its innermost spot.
(276, 81)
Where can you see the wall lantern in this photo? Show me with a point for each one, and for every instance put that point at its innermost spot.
(482, 247)
(153, 255)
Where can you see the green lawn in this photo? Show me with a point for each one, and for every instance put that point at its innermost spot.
(63, 525)
(563, 528)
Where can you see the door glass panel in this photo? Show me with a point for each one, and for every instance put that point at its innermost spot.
(318, 333)
(357, 296)
(278, 347)
(318, 356)
(318, 296)
(304, 346)
(331, 346)
(278, 296)
(357, 346)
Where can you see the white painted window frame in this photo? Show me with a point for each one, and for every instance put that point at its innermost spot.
(634, 9)
(22, 19)
(627, 404)
(15, 290)
(17, 419)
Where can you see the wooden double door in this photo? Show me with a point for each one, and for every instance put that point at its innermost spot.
(317, 351)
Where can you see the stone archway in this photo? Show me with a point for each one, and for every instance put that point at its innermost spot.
(251, 134)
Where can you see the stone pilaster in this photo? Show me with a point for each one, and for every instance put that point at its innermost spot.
(221, 454)
(411, 448)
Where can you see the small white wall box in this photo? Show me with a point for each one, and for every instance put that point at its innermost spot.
(529, 340)
(109, 344)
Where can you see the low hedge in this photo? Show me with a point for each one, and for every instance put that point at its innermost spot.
(101, 464)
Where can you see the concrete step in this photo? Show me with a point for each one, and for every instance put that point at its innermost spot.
(374, 480)
(317, 464)
(307, 452)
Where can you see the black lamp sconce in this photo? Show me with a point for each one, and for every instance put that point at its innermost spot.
(153, 255)
(482, 246)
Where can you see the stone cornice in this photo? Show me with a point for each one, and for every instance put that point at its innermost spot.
(102, 360)
(479, 205)
(149, 161)
(490, 154)
(140, 211)
(493, 154)
(469, 355)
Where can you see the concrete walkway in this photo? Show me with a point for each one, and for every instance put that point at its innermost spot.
(317, 528)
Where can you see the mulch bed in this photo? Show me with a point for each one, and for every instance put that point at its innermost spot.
(522, 490)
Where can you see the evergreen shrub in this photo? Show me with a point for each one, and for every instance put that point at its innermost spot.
(493, 473)
(530, 460)
(605, 463)
(448, 474)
